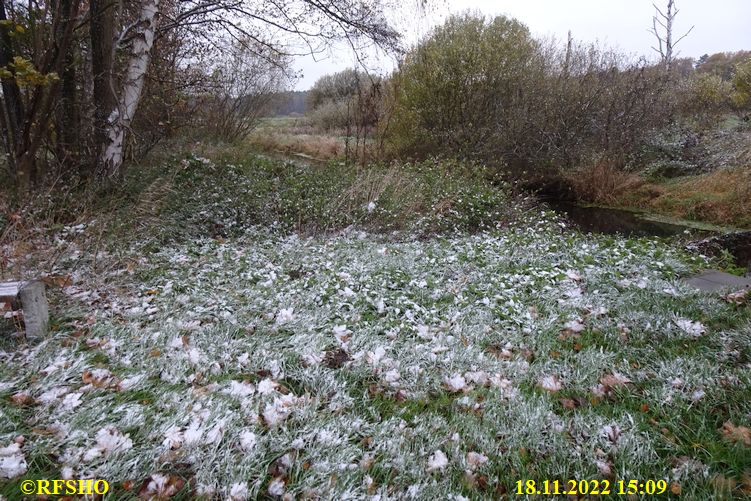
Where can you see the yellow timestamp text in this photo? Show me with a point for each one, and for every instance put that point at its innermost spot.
(590, 487)
(65, 487)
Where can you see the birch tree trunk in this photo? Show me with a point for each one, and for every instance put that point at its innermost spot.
(112, 149)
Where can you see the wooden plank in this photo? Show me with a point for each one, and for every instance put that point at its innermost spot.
(9, 290)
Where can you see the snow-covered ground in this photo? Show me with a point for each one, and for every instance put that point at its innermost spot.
(362, 367)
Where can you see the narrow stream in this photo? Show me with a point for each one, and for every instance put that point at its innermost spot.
(622, 222)
(630, 224)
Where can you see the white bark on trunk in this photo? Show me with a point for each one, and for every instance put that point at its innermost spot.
(111, 156)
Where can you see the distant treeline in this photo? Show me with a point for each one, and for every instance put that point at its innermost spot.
(288, 103)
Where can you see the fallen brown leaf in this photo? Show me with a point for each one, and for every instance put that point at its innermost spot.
(605, 467)
(57, 280)
(161, 487)
(500, 352)
(533, 313)
(739, 434)
(551, 384)
(44, 431)
(22, 398)
(568, 403)
(335, 359)
(610, 381)
(104, 380)
(738, 298)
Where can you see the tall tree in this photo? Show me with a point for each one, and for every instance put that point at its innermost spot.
(662, 29)
(127, 100)
(269, 26)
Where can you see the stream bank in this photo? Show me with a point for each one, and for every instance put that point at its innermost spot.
(704, 238)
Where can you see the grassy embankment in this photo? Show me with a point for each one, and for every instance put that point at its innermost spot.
(202, 345)
(721, 197)
(697, 176)
(707, 178)
(709, 181)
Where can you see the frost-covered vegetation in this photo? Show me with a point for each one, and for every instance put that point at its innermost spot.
(334, 355)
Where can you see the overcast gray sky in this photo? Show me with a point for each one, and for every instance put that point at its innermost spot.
(719, 26)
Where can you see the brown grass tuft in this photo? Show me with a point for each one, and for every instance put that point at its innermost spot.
(602, 183)
(319, 147)
(722, 197)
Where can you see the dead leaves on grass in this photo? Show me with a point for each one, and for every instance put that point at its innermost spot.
(737, 434)
(499, 351)
(723, 485)
(551, 384)
(730, 486)
(22, 399)
(738, 298)
(58, 281)
(574, 402)
(335, 359)
(614, 380)
(572, 330)
(690, 327)
(746, 482)
(569, 403)
(100, 378)
(608, 383)
(159, 486)
(604, 463)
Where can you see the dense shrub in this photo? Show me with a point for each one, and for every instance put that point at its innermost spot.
(330, 116)
(705, 96)
(345, 101)
(487, 90)
(464, 89)
(722, 64)
(741, 96)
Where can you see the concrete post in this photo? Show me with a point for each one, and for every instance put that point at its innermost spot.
(35, 309)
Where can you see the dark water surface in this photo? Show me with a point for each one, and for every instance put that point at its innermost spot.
(614, 221)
